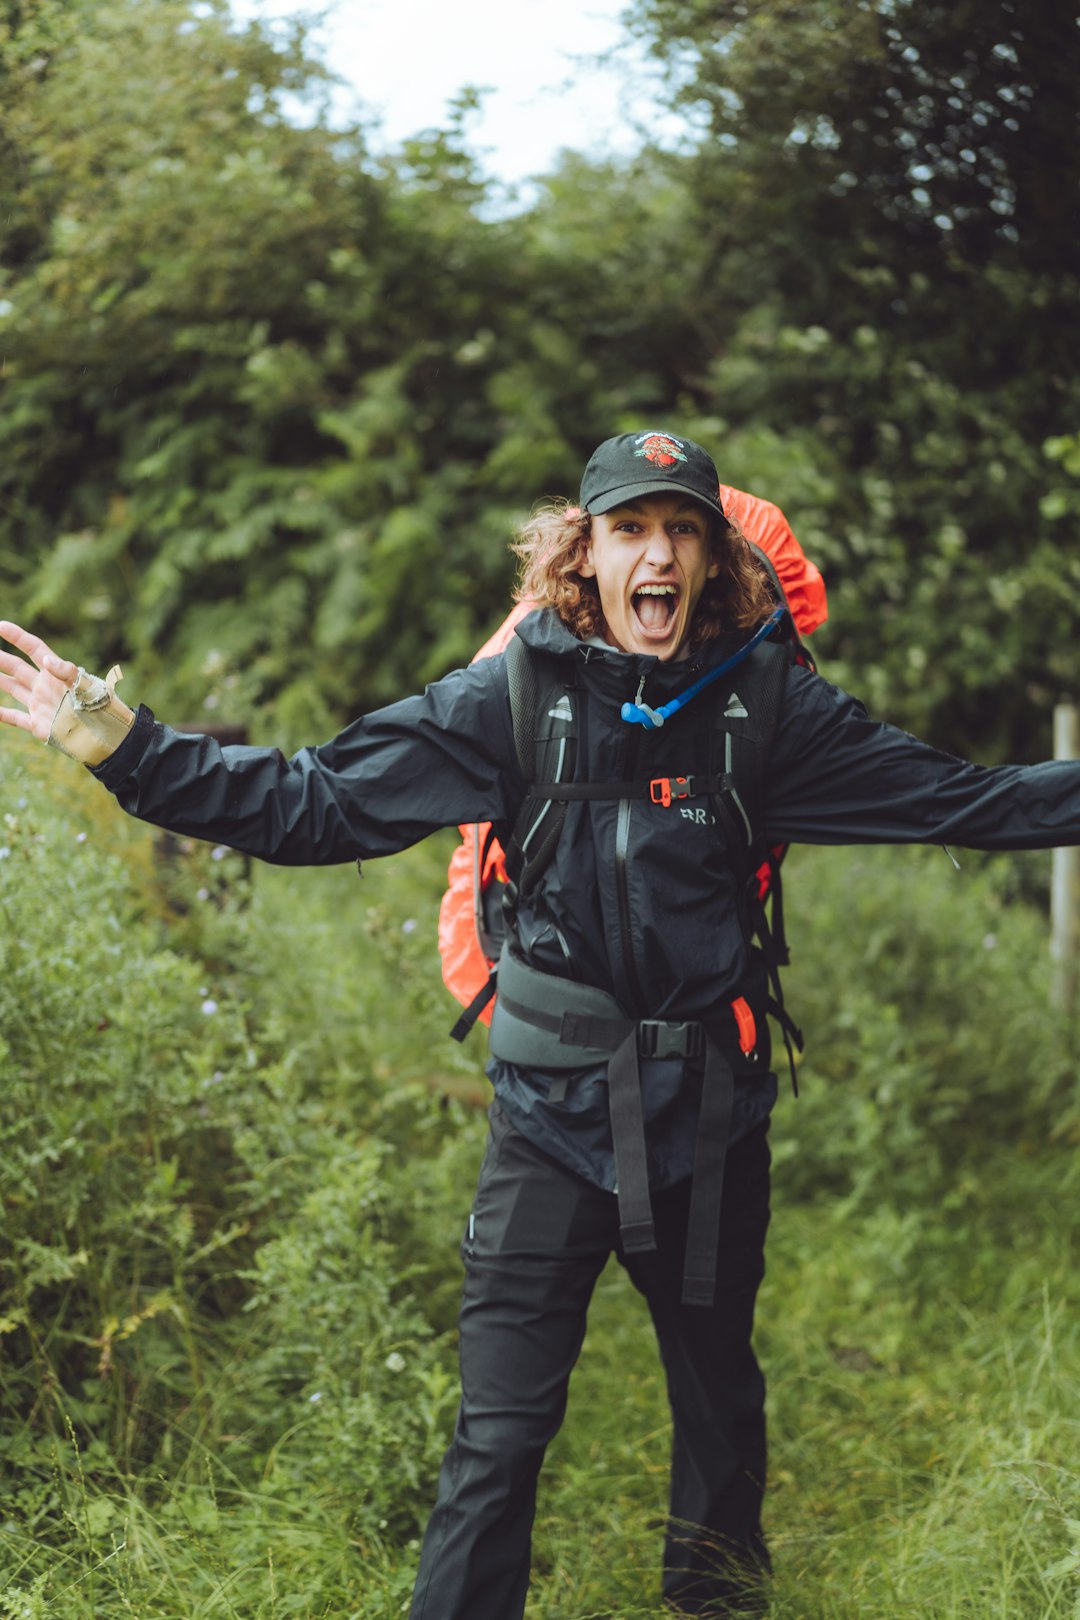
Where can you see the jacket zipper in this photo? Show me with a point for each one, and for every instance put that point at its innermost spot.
(622, 887)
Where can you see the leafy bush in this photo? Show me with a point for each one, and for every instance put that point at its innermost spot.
(238, 1149)
(930, 1040)
(215, 1293)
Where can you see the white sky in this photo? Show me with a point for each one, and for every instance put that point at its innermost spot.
(407, 58)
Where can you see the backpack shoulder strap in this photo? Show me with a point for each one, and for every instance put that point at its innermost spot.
(540, 704)
(745, 716)
(744, 732)
(523, 678)
(544, 708)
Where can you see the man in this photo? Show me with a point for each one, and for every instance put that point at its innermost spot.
(630, 1052)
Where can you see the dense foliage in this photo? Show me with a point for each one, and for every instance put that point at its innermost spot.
(888, 195)
(261, 391)
(237, 1151)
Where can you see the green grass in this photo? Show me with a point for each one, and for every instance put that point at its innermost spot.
(924, 1463)
(229, 1270)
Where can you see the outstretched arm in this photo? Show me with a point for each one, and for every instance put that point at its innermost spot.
(387, 780)
(64, 706)
(837, 777)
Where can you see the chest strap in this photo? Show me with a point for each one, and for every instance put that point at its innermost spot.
(658, 790)
(555, 1025)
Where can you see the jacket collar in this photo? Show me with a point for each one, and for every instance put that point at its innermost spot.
(620, 672)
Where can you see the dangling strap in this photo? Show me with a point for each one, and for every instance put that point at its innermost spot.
(778, 931)
(628, 1139)
(476, 1006)
(793, 1035)
(707, 1187)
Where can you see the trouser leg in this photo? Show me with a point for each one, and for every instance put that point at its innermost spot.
(537, 1241)
(715, 1549)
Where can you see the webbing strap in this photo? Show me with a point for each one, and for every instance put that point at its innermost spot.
(678, 787)
(707, 1186)
(793, 1035)
(628, 1139)
(574, 1030)
(475, 1007)
(778, 933)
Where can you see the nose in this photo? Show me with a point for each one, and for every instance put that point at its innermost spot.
(660, 550)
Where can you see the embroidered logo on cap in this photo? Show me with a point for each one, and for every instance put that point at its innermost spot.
(659, 448)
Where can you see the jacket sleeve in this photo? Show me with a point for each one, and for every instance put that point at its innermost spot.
(383, 783)
(837, 777)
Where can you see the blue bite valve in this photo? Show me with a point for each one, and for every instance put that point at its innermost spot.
(640, 713)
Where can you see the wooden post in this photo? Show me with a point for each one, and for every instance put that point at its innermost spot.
(1064, 885)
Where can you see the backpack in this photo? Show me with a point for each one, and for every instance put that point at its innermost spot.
(472, 912)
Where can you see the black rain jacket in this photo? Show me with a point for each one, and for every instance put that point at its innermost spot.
(645, 907)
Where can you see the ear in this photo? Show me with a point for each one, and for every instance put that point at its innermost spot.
(586, 568)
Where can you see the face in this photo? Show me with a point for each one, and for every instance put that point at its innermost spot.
(650, 559)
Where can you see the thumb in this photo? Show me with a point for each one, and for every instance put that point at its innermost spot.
(64, 671)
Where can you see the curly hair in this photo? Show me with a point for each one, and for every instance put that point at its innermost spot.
(551, 547)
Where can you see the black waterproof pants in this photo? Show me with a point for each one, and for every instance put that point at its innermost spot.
(537, 1240)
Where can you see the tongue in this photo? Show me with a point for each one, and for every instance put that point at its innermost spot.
(653, 611)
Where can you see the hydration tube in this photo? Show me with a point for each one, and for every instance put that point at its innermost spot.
(640, 713)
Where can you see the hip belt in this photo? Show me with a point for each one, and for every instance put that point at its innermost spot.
(543, 1022)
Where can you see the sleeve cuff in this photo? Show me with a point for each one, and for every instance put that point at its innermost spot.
(120, 764)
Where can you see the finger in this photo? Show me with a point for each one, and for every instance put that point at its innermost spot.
(16, 717)
(39, 652)
(15, 686)
(24, 683)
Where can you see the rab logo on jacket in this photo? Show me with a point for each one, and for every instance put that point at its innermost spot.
(660, 449)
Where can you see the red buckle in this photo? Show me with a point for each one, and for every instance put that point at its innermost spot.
(662, 789)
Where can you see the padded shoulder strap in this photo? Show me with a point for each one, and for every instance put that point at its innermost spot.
(524, 682)
(764, 681)
(745, 715)
(544, 709)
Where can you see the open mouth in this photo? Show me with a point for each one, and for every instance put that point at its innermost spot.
(655, 607)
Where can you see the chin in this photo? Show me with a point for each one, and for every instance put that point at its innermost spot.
(671, 647)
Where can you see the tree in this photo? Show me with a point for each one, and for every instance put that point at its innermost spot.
(889, 191)
(224, 341)
(263, 391)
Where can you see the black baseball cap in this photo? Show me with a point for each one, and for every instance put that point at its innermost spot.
(635, 464)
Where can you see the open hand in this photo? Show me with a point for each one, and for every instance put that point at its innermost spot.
(37, 681)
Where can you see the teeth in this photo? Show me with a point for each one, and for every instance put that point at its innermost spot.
(655, 590)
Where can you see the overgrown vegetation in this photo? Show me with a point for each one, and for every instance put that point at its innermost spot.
(258, 390)
(237, 1150)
